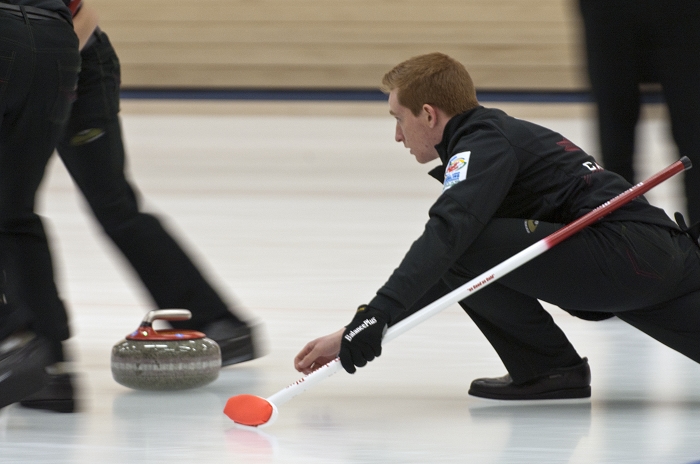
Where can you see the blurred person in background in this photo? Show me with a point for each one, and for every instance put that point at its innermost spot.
(39, 64)
(630, 42)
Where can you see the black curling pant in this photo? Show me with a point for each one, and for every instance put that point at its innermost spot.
(93, 152)
(647, 275)
(39, 64)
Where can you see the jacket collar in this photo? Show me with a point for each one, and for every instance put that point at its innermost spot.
(443, 148)
(451, 128)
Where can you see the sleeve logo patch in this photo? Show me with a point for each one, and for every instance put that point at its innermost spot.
(568, 145)
(456, 170)
(531, 226)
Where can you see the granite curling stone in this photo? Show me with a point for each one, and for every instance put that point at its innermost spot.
(165, 359)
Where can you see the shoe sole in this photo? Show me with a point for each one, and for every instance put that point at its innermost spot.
(556, 395)
(64, 406)
(237, 359)
(477, 404)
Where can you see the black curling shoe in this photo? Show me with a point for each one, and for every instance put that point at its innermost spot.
(235, 340)
(57, 395)
(23, 361)
(558, 384)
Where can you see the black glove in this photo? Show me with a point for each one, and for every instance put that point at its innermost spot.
(362, 339)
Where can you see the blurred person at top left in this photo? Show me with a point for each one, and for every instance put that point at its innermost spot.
(39, 65)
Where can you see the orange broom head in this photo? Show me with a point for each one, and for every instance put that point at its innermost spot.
(248, 410)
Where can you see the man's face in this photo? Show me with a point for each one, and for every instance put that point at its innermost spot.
(418, 133)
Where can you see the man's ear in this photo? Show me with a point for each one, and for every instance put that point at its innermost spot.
(431, 115)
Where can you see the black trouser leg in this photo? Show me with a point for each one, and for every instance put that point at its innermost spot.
(676, 324)
(93, 153)
(612, 54)
(523, 334)
(609, 267)
(33, 109)
(678, 21)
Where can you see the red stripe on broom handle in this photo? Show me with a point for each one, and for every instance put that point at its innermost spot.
(613, 204)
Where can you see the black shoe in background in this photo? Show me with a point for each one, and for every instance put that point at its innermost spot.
(558, 384)
(58, 395)
(23, 361)
(235, 340)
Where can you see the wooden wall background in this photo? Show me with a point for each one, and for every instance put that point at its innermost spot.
(323, 44)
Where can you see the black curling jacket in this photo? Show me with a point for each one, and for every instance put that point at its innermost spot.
(497, 166)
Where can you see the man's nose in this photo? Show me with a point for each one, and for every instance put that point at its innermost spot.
(399, 135)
